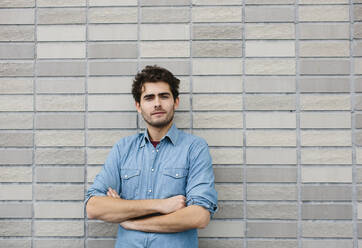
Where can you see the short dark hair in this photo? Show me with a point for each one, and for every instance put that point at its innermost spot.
(154, 73)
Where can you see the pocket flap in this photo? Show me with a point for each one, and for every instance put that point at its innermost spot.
(175, 172)
(129, 173)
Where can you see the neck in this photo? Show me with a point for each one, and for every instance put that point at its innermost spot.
(156, 133)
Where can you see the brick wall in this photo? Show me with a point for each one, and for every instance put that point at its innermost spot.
(274, 86)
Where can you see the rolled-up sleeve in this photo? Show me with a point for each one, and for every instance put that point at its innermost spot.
(200, 189)
(109, 176)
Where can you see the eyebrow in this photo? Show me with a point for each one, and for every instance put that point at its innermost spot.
(160, 94)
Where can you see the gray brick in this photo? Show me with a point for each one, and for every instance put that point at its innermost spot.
(272, 230)
(270, 1)
(216, 2)
(109, 68)
(61, 33)
(275, 243)
(106, 138)
(226, 155)
(164, 2)
(16, 33)
(211, 84)
(102, 229)
(61, 50)
(357, 30)
(228, 229)
(112, 120)
(59, 138)
(326, 13)
(228, 174)
(357, 13)
(216, 14)
(325, 120)
(324, 49)
(270, 31)
(216, 32)
(16, 192)
(61, 68)
(15, 174)
(229, 191)
(15, 210)
(97, 155)
(58, 210)
(230, 66)
(59, 228)
(69, 85)
(60, 103)
(271, 175)
(217, 120)
(15, 156)
(272, 193)
(59, 192)
(271, 138)
(357, 48)
(110, 103)
(272, 211)
(359, 194)
(221, 137)
(216, 49)
(59, 243)
(178, 67)
(217, 102)
(17, 3)
(324, 31)
(60, 3)
(323, 2)
(62, 16)
(116, 50)
(16, 69)
(325, 102)
(327, 211)
(270, 84)
(268, 66)
(326, 156)
(59, 156)
(109, 84)
(59, 174)
(59, 121)
(14, 243)
(359, 175)
(164, 32)
(270, 102)
(270, 120)
(324, 66)
(358, 66)
(112, 32)
(334, 243)
(269, 49)
(16, 139)
(325, 229)
(324, 84)
(15, 228)
(16, 86)
(269, 14)
(164, 14)
(16, 16)
(16, 51)
(229, 210)
(326, 174)
(113, 15)
(358, 138)
(16, 103)
(217, 243)
(95, 243)
(164, 49)
(326, 138)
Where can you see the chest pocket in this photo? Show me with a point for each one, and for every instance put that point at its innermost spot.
(173, 182)
(130, 182)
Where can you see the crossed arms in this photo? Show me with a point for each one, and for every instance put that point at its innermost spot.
(176, 217)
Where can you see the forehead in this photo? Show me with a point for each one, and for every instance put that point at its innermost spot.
(155, 88)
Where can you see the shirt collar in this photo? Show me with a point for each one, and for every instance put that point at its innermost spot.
(172, 135)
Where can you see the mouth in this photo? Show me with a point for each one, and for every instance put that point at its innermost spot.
(158, 113)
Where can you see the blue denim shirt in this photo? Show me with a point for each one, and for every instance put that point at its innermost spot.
(179, 165)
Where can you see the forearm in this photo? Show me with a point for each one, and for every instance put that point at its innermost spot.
(118, 210)
(193, 216)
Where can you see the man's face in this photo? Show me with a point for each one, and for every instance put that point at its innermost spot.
(157, 105)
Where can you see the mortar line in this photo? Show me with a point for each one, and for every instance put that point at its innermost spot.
(191, 85)
(298, 131)
(138, 54)
(244, 167)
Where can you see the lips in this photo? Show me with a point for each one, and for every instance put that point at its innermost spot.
(158, 113)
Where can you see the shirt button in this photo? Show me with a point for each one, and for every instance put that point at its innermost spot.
(150, 190)
(177, 174)
(125, 176)
(157, 150)
(153, 151)
(152, 169)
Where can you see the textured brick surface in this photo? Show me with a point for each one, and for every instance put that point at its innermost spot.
(273, 86)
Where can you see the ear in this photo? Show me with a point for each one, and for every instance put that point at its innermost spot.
(138, 107)
(177, 102)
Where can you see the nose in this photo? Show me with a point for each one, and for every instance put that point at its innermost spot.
(157, 102)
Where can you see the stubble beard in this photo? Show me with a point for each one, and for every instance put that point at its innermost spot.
(159, 124)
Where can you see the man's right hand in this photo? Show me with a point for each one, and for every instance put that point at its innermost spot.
(172, 204)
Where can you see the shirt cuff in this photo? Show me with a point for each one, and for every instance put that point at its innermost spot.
(211, 207)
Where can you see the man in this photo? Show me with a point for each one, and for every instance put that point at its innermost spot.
(159, 185)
